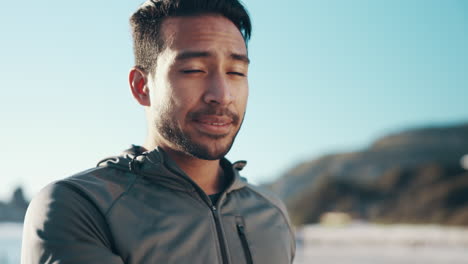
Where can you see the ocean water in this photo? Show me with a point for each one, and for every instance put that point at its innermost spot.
(382, 244)
(353, 244)
(10, 243)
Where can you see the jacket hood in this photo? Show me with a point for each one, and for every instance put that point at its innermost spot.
(158, 167)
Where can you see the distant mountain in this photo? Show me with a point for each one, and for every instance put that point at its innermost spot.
(15, 209)
(414, 176)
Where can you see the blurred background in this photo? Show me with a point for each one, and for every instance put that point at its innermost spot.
(357, 117)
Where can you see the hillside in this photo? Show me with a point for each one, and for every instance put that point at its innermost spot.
(413, 176)
(15, 209)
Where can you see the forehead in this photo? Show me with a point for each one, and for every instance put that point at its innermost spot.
(203, 32)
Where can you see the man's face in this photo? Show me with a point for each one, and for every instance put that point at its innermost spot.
(199, 90)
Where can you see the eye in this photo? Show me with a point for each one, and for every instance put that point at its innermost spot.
(237, 73)
(191, 71)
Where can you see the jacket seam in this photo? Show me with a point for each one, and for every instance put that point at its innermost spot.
(127, 189)
(75, 188)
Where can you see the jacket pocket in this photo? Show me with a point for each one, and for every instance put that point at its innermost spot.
(243, 238)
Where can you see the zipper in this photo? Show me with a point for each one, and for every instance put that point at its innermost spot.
(215, 212)
(222, 245)
(243, 238)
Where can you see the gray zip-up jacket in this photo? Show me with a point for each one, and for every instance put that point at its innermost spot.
(141, 208)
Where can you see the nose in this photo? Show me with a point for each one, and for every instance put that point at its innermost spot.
(218, 90)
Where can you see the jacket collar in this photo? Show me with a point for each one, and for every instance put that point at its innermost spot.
(157, 166)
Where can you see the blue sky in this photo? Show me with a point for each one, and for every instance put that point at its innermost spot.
(326, 76)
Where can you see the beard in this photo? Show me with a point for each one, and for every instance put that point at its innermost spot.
(184, 142)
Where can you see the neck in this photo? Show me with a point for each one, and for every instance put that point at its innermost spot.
(207, 174)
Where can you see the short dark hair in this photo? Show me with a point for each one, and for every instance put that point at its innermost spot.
(148, 40)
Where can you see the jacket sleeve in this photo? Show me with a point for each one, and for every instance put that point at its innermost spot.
(63, 227)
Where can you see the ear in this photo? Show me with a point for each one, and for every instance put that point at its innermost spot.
(138, 80)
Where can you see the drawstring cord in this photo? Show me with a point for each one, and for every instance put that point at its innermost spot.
(134, 164)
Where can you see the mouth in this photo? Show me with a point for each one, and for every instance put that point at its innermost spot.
(214, 125)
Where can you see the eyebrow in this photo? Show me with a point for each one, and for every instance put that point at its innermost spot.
(204, 54)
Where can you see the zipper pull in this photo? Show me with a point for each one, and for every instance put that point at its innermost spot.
(245, 244)
(240, 227)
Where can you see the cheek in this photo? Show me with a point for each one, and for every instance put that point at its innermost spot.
(178, 103)
(243, 98)
(185, 92)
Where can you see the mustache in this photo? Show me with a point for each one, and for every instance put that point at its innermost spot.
(216, 111)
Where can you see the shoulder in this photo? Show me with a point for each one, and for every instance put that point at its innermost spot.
(103, 185)
(99, 187)
(58, 201)
(68, 205)
(65, 220)
(269, 197)
(261, 194)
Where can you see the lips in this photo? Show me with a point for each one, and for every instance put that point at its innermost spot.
(214, 120)
(214, 125)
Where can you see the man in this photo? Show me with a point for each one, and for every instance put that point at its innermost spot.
(176, 199)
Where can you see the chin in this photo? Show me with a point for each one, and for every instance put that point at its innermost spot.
(210, 151)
